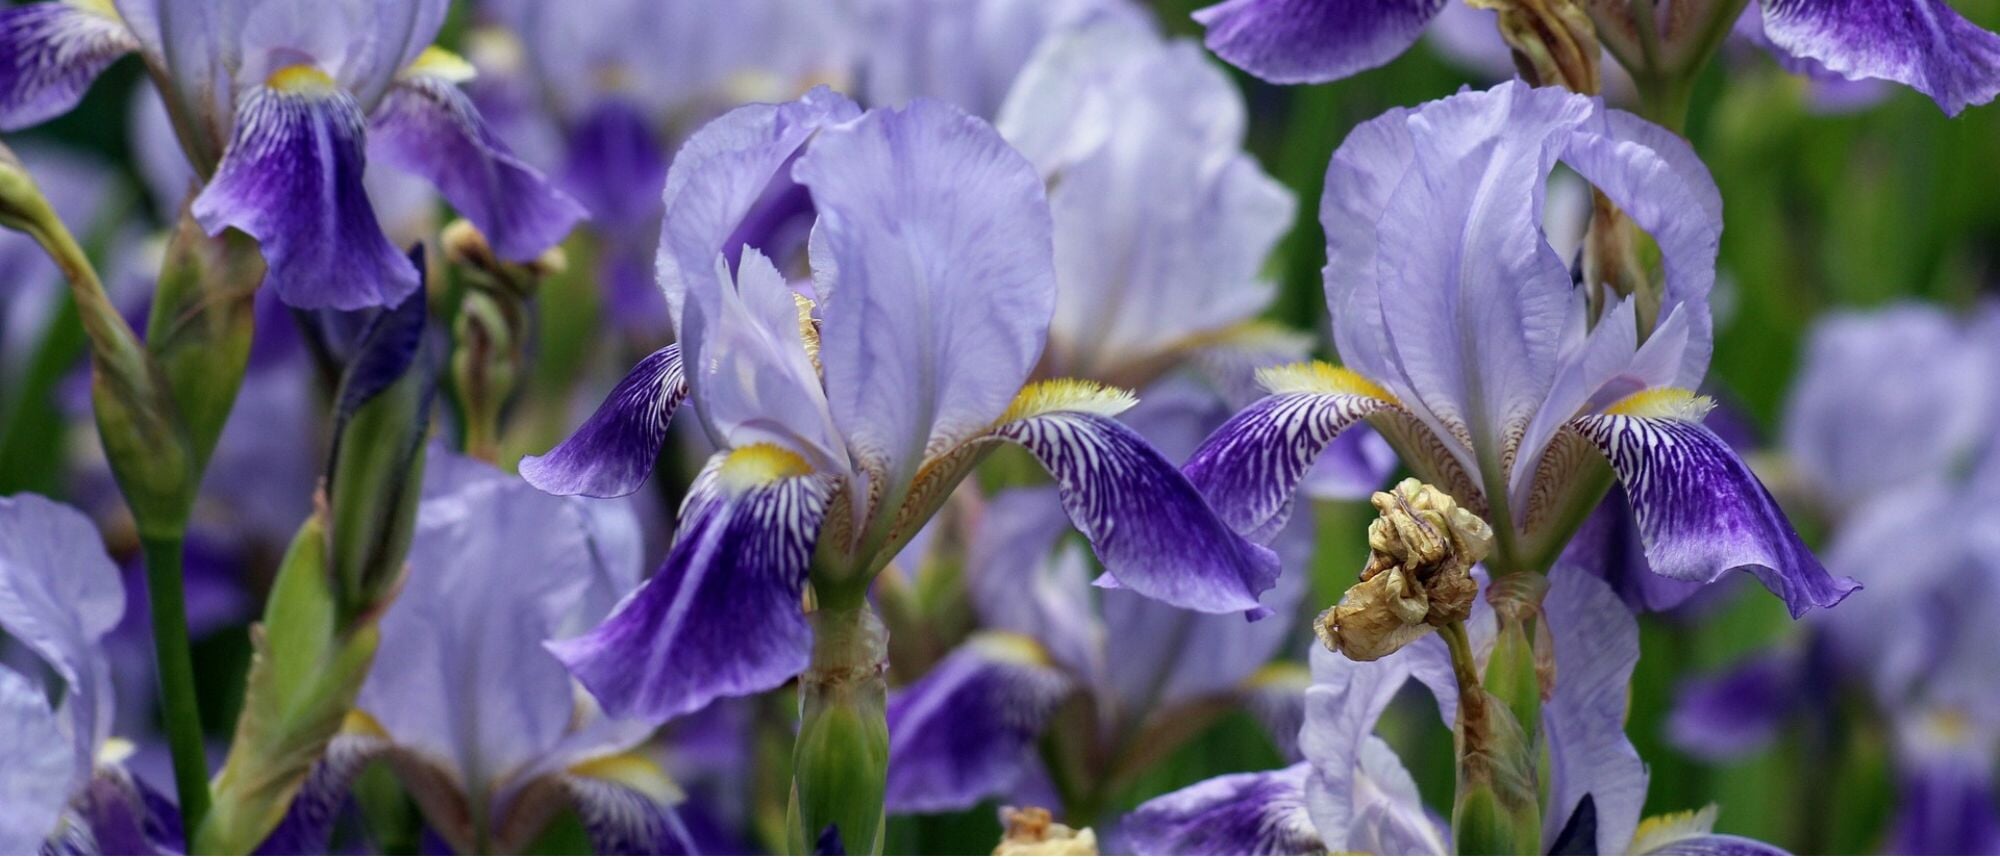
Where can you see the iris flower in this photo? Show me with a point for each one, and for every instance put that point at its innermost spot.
(1353, 795)
(279, 103)
(63, 787)
(1467, 346)
(847, 409)
(1922, 44)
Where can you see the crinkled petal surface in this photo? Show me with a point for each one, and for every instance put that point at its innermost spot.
(1597, 646)
(963, 731)
(1314, 41)
(722, 616)
(612, 453)
(1922, 44)
(1239, 814)
(49, 54)
(1702, 513)
(291, 178)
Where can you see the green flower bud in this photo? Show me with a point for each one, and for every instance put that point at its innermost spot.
(841, 761)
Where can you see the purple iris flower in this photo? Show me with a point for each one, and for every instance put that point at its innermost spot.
(279, 103)
(1352, 794)
(1922, 44)
(63, 787)
(967, 52)
(1466, 344)
(483, 726)
(844, 421)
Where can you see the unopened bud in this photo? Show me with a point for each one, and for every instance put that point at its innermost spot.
(467, 248)
(1422, 547)
(1033, 830)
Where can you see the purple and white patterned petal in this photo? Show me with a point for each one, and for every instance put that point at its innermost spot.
(934, 269)
(308, 822)
(1259, 813)
(1251, 467)
(1596, 649)
(427, 126)
(962, 732)
(1314, 41)
(612, 453)
(1718, 845)
(50, 53)
(1692, 833)
(35, 757)
(59, 595)
(1149, 526)
(1701, 512)
(621, 819)
(291, 178)
(1922, 44)
(722, 616)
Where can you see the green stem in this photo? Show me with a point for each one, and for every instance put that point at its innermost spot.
(840, 763)
(181, 706)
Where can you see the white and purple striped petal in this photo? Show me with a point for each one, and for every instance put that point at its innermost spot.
(722, 616)
(1314, 41)
(1251, 467)
(1922, 44)
(50, 53)
(1258, 813)
(1596, 649)
(612, 453)
(962, 732)
(620, 819)
(1702, 513)
(427, 126)
(291, 178)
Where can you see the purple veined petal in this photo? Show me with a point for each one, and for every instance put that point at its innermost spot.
(291, 178)
(1719, 845)
(308, 822)
(124, 816)
(1250, 468)
(612, 453)
(1237, 814)
(1149, 526)
(49, 54)
(1739, 711)
(1691, 833)
(1359, 795)
(426, 125)
(1314, 41)
(59, 595)
(34, 756)
(1701, 512)
(1610, 546)
(722, 616)
(622, 819)
(1922, 44)
(961, 733)
(942, 282)
(1596, 648)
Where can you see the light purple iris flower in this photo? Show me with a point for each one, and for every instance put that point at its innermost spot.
(484, 727)
(1467, 345)
(966, 52)
(63, 788)
(279, 103)
(966, 730)
(1352, 794)
(1922, 44)
(845, 419)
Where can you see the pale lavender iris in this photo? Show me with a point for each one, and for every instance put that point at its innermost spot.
(967, 52)
(844, 421)
(485, 728)
(279, 104)
(63, 788)
(1467, 345)
(1922, 44)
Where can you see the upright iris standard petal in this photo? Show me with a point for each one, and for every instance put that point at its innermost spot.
(35, 761)
(612, 453)
(1597, 646)
(426, 125)
(962, 732)
(722, 616)
(1922, 44)
(291, 178)
(59, 596)
(1360, 796)
(1149, 526)
(748, 359)
(1314, 41)
(937, 237)
(49, 54)
(1255, 813)
(1701, 512)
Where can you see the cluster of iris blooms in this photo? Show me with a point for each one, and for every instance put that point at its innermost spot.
(984, 477)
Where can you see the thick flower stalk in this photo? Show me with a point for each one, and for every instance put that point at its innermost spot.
(847, 411)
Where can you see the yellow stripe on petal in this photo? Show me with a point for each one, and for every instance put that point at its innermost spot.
(1069, 394)
(1673, 826)
(760, 464)
(1010, 647)
(636, 771)
(301, 79)
(115, 751)
(360, 722)
(443, 64)
(1319, 376)
(1664, 402)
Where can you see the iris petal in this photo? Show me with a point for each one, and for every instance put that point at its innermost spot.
(612, 453)
(1314, 41)
(1922, 44)
(49, 54)
(963, 731)
(1256, 813)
